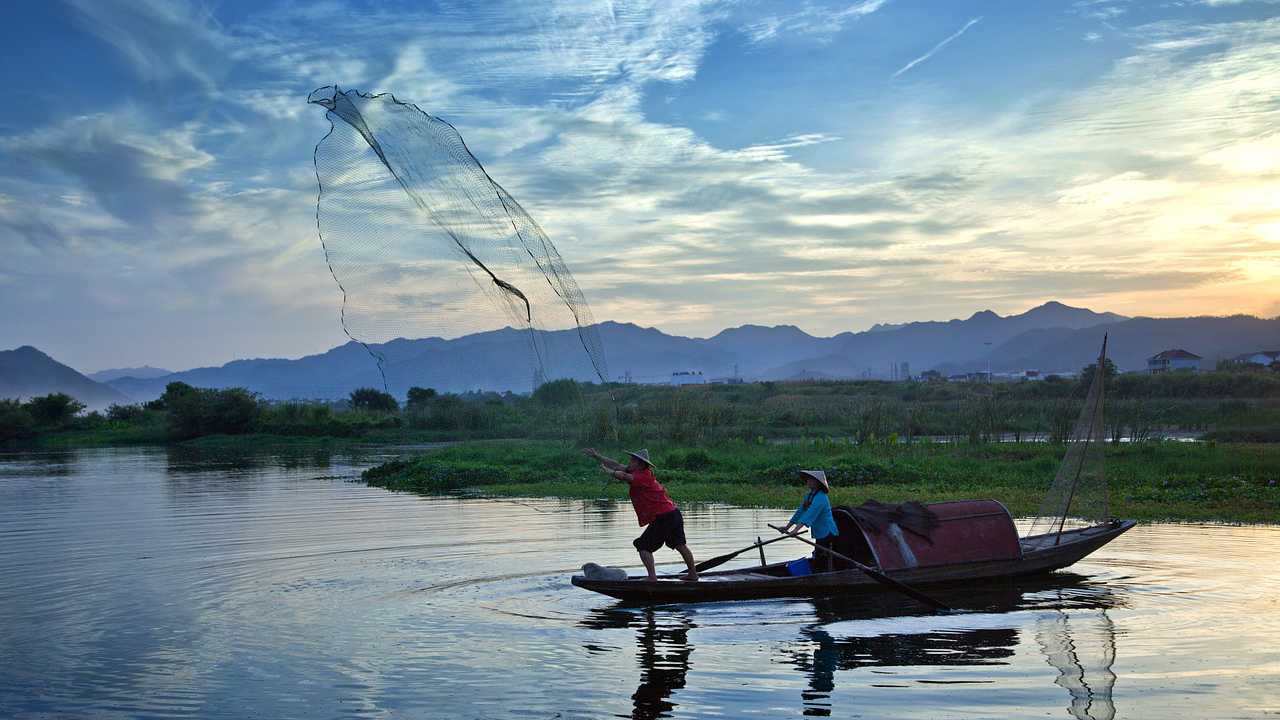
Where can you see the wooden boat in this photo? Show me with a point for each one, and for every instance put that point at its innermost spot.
(964, 550)
(961, 542)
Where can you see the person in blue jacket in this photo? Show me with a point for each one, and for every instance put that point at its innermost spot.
(815, 513)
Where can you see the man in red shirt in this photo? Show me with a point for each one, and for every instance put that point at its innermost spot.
(653, 508)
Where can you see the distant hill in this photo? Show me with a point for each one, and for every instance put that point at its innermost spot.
(146, 372)
(925, 345)
(26, 372)
(1133, 341)
(1051, 337)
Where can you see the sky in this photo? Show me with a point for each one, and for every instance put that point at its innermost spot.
(699, 165)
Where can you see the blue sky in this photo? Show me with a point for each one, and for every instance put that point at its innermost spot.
(698, 164)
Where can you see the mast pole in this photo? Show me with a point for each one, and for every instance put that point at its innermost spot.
(1099, 379)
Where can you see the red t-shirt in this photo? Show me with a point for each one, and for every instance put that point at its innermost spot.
(648, 496)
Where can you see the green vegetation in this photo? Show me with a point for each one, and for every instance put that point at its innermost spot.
(1229, 405)
(1148, 481)
(44, 414)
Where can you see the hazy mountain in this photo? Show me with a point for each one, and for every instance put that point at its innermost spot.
(145, 372)
(756, 349)
(1133, 341)
(924, 345)
(495, 360)
(26, 372)
(1050, 337)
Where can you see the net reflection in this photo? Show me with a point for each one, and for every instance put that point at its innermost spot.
(950, 641)
(1081, 644)
(663, 655)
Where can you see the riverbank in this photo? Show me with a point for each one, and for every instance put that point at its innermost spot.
(127, 436)
(1233, 482)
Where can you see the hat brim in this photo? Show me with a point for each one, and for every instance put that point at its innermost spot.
(821, 480)
(647, 462)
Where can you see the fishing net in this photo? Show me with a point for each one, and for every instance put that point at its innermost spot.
(423, 243)
(1078, 496)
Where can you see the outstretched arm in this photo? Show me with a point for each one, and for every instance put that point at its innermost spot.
(617, 474)
(608, 463)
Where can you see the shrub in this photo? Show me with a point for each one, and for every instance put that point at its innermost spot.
(125, 413)
(194, 412)
(15, 421)
(419, 397)
(54, 410)
(558, 393)
(373, 400)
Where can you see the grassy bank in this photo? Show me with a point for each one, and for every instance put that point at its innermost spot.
(1149, 481)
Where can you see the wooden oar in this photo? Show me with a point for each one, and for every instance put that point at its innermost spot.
(873, 573)
(719, 560)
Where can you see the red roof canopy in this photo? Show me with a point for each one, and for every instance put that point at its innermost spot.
(968, 531)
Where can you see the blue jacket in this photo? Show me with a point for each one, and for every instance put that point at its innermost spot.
(817, 516)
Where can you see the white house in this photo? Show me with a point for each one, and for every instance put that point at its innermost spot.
(1172, 360)
(687, 377)
(1262, 357)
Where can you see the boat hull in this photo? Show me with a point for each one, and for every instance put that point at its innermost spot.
(1041, 554)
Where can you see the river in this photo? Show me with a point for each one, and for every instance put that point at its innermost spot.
(153, 582)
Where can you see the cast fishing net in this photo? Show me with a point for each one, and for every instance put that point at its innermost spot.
(1078, 496)
(423, 243)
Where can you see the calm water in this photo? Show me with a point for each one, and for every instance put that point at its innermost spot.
(159, 583)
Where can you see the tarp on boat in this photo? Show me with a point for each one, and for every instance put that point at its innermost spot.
(964, 531)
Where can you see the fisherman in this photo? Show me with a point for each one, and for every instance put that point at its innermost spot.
(815, 513)
(653, 508)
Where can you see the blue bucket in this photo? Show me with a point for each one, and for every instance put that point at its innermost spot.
(799, 567)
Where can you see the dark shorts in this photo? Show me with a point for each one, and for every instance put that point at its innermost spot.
(667, 528)
(824, 561)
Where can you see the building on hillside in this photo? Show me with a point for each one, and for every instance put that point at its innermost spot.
(1173, 360)
(1032, 375)
(687, 377)
(1262, 357)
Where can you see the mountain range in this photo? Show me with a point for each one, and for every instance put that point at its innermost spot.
(26, 372)
(1051, 338)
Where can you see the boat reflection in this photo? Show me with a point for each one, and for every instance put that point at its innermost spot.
(662, 638)
(1071, 627)
(1066, 614)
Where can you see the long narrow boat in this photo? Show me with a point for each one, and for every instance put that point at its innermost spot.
(1036, 554)
(961, 542)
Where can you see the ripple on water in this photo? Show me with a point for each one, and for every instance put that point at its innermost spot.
(155, 583)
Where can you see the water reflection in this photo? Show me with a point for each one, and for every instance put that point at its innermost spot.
(971, 638)
(662, 638)
(147, 584)
(1082, 646)
(1066, 614)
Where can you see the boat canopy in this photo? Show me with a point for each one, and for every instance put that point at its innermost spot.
(966, 531)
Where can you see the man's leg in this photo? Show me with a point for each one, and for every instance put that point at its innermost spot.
(687, 554)
(646, 557)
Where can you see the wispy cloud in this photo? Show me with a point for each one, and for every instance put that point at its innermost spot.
(936, 48)
(813, 21)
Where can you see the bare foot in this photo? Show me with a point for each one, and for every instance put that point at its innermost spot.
(690, 577)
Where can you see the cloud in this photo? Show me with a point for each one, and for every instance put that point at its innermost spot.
(903, 208)
(136, 175)
(936, 48)
(162, 40)
(812, 21)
